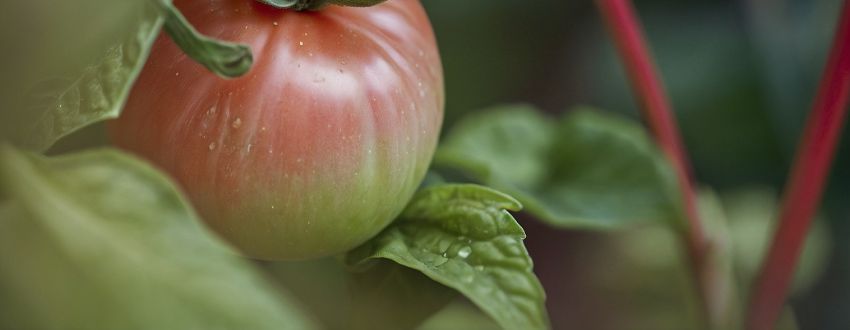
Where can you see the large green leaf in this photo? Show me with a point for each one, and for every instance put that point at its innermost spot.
(72, 63)
(69, 63)
(99, 240)
(463, 237)
(586, 170)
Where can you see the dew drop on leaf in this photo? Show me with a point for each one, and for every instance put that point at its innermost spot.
(464, 252)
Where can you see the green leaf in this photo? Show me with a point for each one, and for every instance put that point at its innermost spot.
(72, 63)
(586, 170)
(101, 240)
(463, 237)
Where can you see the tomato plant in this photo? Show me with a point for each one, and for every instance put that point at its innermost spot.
(303, 129)
(313, 151)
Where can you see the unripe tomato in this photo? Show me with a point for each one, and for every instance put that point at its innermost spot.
(318, 147)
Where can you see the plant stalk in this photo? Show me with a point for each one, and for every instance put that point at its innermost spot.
(626, 31)
(806, 183)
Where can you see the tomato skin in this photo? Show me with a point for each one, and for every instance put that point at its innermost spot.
(318, 147)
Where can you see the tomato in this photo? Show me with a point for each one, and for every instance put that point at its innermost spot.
(318, 147)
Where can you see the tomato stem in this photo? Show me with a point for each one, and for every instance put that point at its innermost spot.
(301, 5)
(625, 29)
(806, 182)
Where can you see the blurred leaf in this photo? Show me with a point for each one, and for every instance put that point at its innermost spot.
(654, 277)
(752, 216)
(99, 240)
(459, 316)
(711, 74)
(390, 296)
(463, 237)
(587, 170)
(652, 273)
(321, 286)
(72, 67)
(387, 296)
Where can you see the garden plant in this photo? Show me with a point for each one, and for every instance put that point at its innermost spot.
(284, 164)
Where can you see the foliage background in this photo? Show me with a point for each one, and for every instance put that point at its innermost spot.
(741, 75)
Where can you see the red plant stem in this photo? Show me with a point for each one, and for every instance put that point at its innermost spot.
(622, 22)
(806, 183)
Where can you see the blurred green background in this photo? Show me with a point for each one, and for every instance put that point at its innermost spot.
(741, 75)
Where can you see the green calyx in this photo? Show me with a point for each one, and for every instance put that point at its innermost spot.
(226, 59)
(300, 5)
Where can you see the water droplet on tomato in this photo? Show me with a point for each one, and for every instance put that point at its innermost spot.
(237, 123)
(212, 146)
